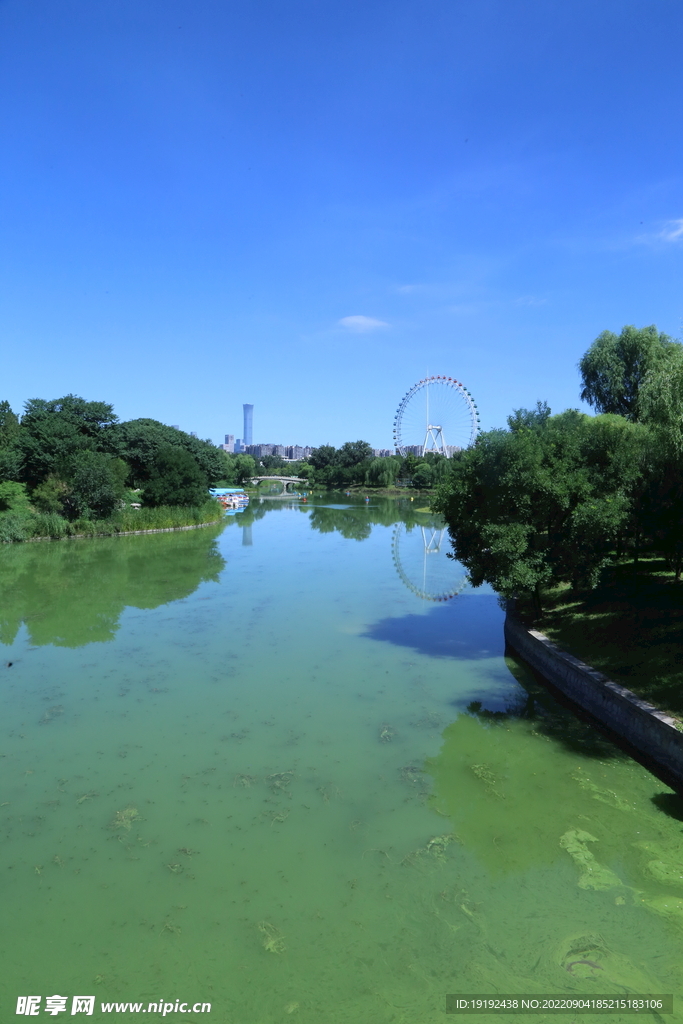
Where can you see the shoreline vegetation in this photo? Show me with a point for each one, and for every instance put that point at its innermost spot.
(33, 526)
(70, 468)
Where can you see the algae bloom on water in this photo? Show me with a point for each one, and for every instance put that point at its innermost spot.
(124, 819)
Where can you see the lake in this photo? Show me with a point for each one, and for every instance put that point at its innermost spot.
(282, 766)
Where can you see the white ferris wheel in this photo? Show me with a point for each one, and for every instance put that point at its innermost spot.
(438, 414)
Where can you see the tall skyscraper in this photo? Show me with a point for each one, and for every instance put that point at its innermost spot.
(248, 424)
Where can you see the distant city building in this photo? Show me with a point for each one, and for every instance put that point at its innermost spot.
(382, 453)
(248, 423)
(294, 452)
(289, 452)
(258, 450)
(193, 433)
(175, 426)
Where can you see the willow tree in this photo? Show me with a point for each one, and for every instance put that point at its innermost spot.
(615, 367)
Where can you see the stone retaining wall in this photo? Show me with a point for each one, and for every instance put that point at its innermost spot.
(648, 730)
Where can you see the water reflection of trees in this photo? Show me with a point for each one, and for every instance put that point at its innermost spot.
(353, 518)
(355, 522)
(71, 593)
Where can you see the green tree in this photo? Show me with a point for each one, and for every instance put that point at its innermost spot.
(531, 507)
(95, 485)
(614, 368)
(9, 425)
(661, 402)
(423, 477)
(175, 479)
(10, 456)
(341, 467)
(273, 464)
(13, 497)
(381, 473)
(88, 417)
(55, 432)
(244, 468)
(51, 494)
(323, 456)
(138, 443)
(529, 419)
(352, 453)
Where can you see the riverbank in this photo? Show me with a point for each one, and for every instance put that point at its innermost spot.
(629, 628)
(29, 527)
(651, 733)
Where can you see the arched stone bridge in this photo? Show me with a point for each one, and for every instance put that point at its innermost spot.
(284, 480)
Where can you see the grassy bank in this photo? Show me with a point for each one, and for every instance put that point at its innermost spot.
(629, 628)
(24, 526)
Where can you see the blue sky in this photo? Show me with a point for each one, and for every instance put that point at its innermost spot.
(311, 204)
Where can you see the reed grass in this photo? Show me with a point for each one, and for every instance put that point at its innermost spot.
(27, 525)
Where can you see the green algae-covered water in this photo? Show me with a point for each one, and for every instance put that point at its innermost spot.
(270, 766)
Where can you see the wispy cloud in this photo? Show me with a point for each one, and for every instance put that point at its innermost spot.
(361, 324)
(530, 300)
(672, 231)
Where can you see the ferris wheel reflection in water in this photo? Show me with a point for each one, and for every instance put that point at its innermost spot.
(421, 559)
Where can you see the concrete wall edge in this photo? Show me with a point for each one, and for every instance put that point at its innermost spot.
(639, 723)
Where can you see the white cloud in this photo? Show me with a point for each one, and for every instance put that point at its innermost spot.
(673, 231)
(361, 324)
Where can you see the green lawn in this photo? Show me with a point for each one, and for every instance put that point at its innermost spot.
(629, 627)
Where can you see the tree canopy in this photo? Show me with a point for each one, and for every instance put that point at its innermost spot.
(530, 507)
(175, 479)
(75, 459)
(139, 441)
(615, 367)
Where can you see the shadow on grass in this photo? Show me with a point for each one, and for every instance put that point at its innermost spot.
(628, 627)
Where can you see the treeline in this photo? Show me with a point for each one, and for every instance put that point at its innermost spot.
(553, 499)
(68, 463)
(355, 465)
